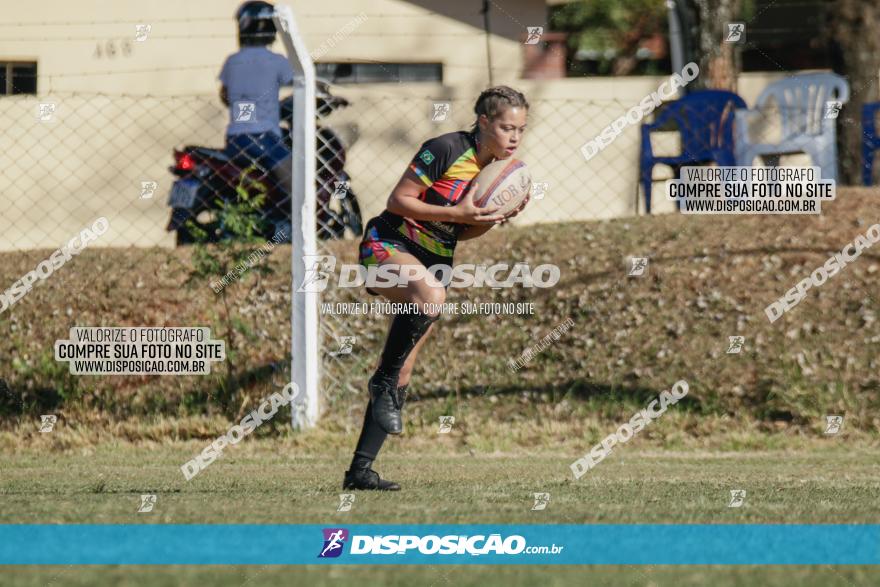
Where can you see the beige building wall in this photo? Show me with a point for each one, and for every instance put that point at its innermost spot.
(189, 40)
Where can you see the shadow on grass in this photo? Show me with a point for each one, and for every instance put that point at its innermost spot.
(17, 400)
(579, 390)
(275, 373)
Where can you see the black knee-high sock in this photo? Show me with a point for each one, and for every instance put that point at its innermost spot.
(371, 440)
(406, 331)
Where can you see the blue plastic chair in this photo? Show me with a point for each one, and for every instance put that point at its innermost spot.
(802, 101)
(704, 119)
(870, 140)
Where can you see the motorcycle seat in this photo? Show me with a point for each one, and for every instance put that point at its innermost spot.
(212, 153)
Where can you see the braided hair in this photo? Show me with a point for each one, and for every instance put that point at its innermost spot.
(495, 100)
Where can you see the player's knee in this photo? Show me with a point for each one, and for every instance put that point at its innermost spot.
(432, 302)
(412, 273)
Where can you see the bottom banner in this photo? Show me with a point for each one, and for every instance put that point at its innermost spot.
(414, 544)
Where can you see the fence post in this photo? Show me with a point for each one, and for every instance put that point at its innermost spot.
(304, 307)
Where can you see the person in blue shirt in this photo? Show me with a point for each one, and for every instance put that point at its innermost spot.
(251, 80)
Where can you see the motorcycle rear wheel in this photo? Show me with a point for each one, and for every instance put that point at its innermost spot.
(339, 215)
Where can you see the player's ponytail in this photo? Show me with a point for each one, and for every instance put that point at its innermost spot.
(494, 101)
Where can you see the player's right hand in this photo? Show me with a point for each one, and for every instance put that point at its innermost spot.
(466, 212)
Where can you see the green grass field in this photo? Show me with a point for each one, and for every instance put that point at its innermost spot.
(268, 483)
(274, 482)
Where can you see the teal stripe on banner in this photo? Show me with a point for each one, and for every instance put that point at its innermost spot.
(604, 544)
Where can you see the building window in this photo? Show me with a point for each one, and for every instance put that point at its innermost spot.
(377, 73)
(18, 77)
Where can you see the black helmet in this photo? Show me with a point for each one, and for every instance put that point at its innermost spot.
(255, 24)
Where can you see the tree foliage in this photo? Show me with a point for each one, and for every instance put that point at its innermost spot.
(854, 31)
(611, 28)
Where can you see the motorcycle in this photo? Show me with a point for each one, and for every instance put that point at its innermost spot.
(206, 175)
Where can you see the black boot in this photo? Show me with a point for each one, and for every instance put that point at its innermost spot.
(363, 477)
(386, 404)
(403, 336)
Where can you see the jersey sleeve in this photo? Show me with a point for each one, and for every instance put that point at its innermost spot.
(435, 156)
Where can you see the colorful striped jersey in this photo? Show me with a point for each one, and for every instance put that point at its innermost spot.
(446, 165)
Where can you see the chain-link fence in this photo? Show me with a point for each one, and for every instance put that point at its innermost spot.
(70, 157)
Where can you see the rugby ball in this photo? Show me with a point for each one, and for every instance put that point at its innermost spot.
(504, 183)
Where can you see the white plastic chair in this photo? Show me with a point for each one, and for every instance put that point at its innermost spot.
(801, 102)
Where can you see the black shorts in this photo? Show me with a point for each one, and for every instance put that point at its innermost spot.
(382, 241)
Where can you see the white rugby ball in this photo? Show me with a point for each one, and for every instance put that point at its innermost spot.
(504, 183)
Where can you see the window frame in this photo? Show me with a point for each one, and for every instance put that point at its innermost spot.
(8, 65)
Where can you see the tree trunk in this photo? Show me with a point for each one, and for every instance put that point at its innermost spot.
(719, 61)
(856, 43)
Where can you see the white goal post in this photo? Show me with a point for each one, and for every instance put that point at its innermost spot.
(304, 339)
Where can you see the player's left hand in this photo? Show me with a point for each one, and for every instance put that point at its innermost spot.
(517, 211)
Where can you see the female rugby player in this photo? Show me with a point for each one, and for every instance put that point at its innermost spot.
(430, 209)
